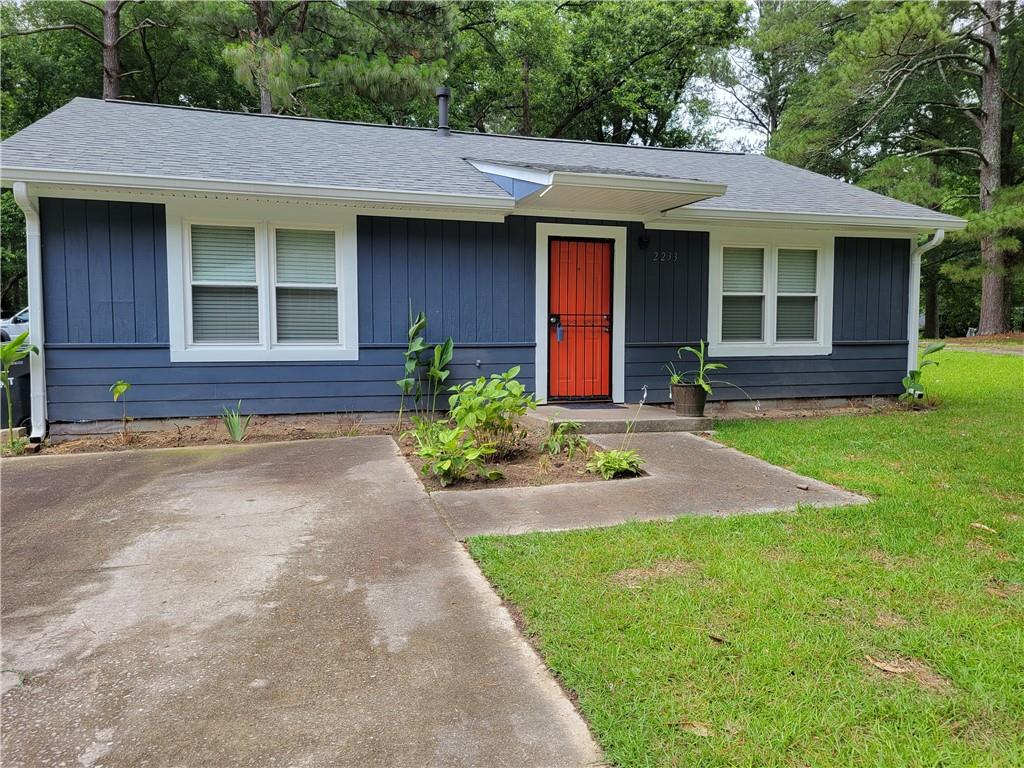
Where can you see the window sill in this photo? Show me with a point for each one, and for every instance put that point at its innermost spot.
(746, 349)
(280, 354)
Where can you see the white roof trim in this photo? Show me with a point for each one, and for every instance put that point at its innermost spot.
(686, 215)
(310, 191)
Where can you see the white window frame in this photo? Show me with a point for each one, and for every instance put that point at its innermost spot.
(763, 295)
(266, 216)
(275, 283)
(821, 242)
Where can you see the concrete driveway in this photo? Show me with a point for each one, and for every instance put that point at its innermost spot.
(282, 604)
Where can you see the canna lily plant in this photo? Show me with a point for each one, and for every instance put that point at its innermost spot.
(13, 351)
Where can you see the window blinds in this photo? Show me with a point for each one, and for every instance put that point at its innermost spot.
(225, 299)
(307, 293)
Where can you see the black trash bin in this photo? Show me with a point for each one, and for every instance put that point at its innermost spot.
(21, 395)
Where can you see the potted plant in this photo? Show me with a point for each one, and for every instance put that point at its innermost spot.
(690, 397)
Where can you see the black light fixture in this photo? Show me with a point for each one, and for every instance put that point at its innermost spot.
(643, 240)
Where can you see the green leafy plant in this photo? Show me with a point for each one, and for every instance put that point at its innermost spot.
(438, 372)
(424, 431)
(235, 423)
(615, 463)
(564, 436)
(700, 373)
(450, 454)
(119, 390)
(409, 383)
(13, 351)
(490, 409)
(912, 384)
(623, 461)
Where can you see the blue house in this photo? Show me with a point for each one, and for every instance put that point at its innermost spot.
(211, 257)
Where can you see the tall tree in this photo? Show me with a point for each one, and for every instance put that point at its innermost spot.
(59, 17)
(604, 71)
(917, 80)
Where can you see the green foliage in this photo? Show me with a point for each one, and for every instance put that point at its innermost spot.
(912, 384)
(700, 374)
(438, 371)
(785, 606)
(564, 437)
(615, 462)
(13, 351)
(119, 391)
(450, 455)
(489, 409)
(409, 384)
(235, 423)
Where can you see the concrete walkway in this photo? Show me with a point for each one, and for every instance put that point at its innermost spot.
(687, 475)
(289, 604)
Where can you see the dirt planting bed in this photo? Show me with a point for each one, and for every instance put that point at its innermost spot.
(528, 467)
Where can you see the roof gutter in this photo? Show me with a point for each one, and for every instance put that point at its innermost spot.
(250, 188)
(919, 224)
(34, 258)
(914, 302)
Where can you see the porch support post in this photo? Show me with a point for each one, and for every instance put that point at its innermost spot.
(34, 258)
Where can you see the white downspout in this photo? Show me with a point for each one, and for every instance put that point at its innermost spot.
(914, 308)
(34, 258)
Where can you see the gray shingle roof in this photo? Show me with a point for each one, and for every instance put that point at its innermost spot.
(87, 135)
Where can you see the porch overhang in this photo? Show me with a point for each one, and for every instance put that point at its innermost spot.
(549, 189)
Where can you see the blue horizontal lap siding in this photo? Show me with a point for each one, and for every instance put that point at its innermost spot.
(869, 328)
(106, 316)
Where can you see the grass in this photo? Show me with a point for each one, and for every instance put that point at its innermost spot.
(743, 641)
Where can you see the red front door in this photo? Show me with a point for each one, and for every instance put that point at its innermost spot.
(579, 319)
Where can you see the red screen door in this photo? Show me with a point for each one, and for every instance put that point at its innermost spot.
(579, 319)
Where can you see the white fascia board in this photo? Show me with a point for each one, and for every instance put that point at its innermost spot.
(686, 216)
(309, 191)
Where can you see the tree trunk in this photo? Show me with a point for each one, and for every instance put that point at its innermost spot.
(526, 124)
(112, 49)
(994, 317)
(930, 276)
(263, 10)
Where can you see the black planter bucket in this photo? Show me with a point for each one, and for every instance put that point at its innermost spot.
(689, 399)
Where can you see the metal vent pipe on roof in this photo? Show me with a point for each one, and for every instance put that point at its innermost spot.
(443, 94)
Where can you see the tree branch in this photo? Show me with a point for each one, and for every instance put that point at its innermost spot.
(56, 28)
(953, 150)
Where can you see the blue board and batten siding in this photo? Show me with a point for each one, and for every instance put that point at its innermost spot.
(869, 323)
(106, 316)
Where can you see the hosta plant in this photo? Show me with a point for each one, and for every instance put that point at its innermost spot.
(615, 462)
(564, 437)
(451, 455)
(490, 408)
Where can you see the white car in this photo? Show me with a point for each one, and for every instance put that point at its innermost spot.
(14, 325)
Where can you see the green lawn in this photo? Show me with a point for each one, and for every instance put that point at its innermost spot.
(747, 645)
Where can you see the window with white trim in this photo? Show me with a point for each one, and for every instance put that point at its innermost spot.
(305, 287)
(260, 290)
(769, 295)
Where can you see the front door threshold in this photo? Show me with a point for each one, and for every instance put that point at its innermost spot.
(606, 419)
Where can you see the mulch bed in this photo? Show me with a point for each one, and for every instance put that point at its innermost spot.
(528, 467)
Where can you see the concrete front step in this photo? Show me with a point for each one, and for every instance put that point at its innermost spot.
(613, 419)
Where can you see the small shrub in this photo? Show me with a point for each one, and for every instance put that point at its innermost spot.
(450, 455)
(565, 437)
(913, 387)
(119, 390)
(13, 446)
(235, 423)
(489, 409)
(11, 352)
(615, 463)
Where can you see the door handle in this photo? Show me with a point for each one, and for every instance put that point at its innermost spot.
(555, 321)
